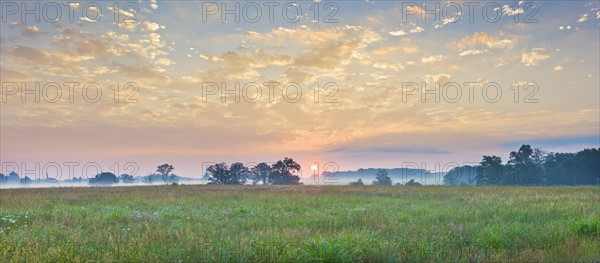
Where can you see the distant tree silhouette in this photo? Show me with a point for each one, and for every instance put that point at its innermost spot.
(164, 170)
(532, 166)
(218, 174)
(490, 171)
(283, 172)
(358, 182)
(412, 183)
(382, 178)
(238, 173)
(11, 178)
(587, 167)
(261, 172)
(148, 179)
(461, 175)
(105, 178)
(173, 178)
(26, 180)
(582, 168)
(125, 178)
(77, 179)
(522, 167)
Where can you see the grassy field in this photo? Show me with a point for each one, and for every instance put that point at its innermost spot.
(300, 223)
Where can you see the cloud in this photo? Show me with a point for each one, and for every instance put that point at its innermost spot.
(32, 31)
(385, 51)
(507, 10)
(164, 61)
(231, 65)
(398, 33)
(533, 57)
(408, 46)
(281, 36)
(449, 20)
(93, 47)
(441, 79)
(482, 38)
(433, 59)
(151, 74)
(388, 66)
(555, 142)
(150, 46)
(13, 75)
(298, 76)
(153, 4)
(150, 26)
(112, 36)
(128, 25)
(94, 12)
(121, 11)
(87, 19)
(401, 32)
(415, 9)
(472, 52)
(387, 150)
(582, 18)
(558, 68)
(28, 55)
(416, 29)
(27, 30)
(350, 42)
(327, 56)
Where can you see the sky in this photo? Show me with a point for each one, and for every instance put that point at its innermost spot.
(127, 86)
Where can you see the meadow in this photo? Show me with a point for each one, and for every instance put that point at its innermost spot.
(212, 223)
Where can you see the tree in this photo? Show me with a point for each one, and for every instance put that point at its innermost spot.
(11, 178)
(412, 183)
(359, 182)
(148, 179)
(125, 178)
(164, 170)
(521, 156)
(238, 173)
(461, 175)
(77, 179)
(382, 178)
(104, 178)
(521, 165)
(581, 168)
(489, 170)
(173, 178)
(539, 156)
(26, 180)
(261, 172)
(588, 162)
(282, 172)
(218, 173)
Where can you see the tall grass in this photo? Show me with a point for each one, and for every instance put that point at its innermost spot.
(300, 224)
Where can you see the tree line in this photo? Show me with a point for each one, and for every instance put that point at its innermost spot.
(281, 172)
(526, 166)
(529, 166)
(163, 173)
(382, 178)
